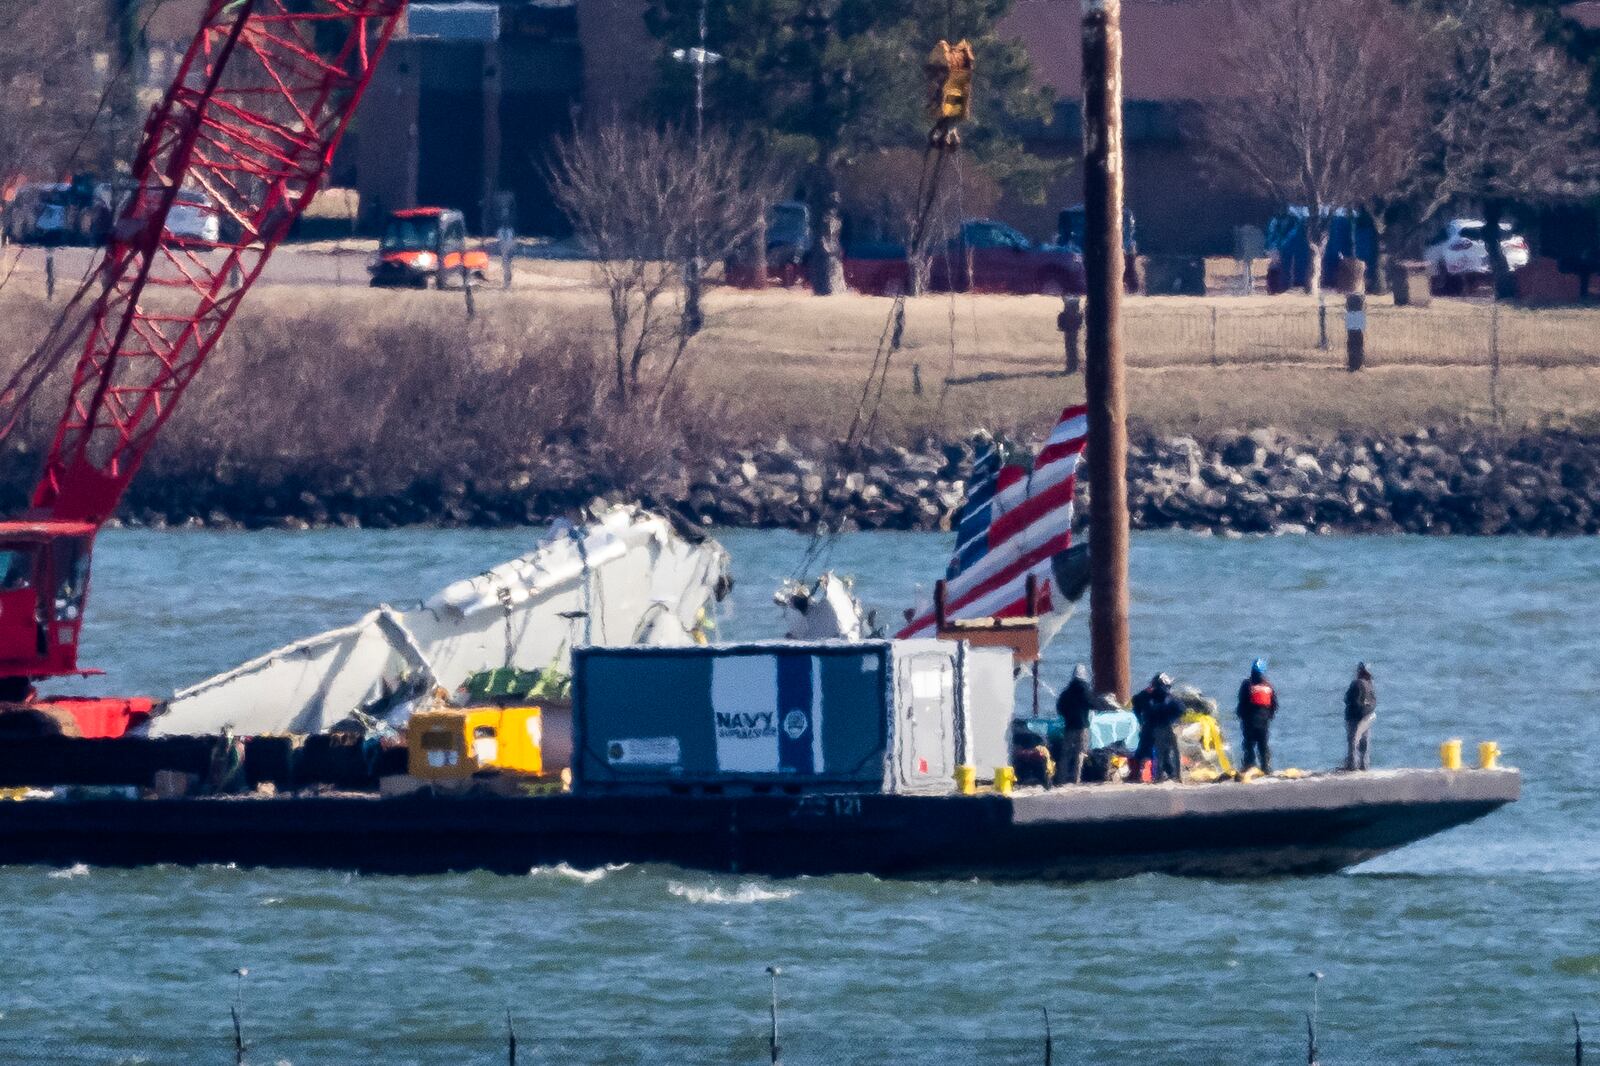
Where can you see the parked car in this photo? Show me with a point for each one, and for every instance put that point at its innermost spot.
(985, 256)
(75, 212)
(193, 217)
(1350, 236)
(1458, 255)
(423, 246)
(788, 242)
(37, 215)
(876, 268)
(989, 256)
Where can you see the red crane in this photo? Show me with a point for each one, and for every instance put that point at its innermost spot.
(245, 134)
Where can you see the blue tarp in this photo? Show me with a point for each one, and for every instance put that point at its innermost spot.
(1105, 728)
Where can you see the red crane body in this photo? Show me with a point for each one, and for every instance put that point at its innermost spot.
(246, 132)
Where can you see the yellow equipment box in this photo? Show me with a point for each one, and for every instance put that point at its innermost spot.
(449, 745)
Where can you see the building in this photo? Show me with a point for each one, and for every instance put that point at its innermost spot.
(1184, 201)
(472, 93)
(465, 107)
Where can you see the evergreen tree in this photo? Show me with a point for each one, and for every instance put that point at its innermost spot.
(824, 82)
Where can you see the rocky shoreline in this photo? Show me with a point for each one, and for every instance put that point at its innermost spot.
(1247, 483)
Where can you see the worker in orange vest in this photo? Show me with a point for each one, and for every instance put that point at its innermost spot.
(1258, 706)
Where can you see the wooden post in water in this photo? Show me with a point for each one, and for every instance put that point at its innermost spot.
(1103, 371)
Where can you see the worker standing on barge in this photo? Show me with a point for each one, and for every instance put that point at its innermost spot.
(1159, 711)
(1258, 706)
(1360, 708)
(1074, 705)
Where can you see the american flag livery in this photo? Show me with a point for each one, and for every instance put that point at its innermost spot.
(1015, 522)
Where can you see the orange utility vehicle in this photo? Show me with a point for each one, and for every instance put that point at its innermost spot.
(423, 245)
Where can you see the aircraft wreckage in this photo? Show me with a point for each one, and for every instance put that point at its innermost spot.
(628, 577)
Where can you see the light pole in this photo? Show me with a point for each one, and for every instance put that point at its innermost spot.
(693, 317)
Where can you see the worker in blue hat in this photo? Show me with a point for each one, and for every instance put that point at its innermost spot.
(1258, 706)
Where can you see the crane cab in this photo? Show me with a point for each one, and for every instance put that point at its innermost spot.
(44, 582)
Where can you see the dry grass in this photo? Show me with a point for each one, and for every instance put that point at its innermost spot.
(399, 382)
(794, 363)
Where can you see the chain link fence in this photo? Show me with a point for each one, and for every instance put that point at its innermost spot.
(1444, 334)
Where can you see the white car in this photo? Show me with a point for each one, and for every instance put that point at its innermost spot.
(194, 217)
(1458, 252)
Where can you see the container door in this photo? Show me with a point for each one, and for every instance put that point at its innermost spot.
(925, 694)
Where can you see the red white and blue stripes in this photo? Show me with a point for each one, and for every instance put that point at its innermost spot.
(1014, 522)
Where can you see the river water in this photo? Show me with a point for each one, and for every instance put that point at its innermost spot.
(1472, 947)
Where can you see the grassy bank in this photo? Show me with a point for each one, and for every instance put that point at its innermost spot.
(399, 383)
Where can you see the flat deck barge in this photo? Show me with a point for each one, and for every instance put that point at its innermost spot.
(1314, 825)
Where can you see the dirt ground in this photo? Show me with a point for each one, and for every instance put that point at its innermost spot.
(785, 361)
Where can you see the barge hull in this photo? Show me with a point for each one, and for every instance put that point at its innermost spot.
(1312, 826)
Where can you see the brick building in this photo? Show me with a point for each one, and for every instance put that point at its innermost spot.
(471, 93)
(1183, 202)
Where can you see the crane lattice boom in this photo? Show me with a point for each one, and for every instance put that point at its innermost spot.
(237, 148)
(245, 136)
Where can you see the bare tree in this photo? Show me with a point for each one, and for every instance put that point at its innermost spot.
(637, 198)
(53, 65)
(1513, 119)
(1325, 113)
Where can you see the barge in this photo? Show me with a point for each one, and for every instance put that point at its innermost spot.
(1315, 825)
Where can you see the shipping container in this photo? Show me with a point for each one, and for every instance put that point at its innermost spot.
(871, 716)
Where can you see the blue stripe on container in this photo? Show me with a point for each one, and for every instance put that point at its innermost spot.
(794, 698)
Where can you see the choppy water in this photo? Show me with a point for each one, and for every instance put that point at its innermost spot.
(1472, 947)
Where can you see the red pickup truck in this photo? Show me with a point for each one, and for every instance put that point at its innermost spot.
(986, 256)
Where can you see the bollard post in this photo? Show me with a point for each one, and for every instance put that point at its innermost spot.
(49, 273)
(1070, 323)
(1322, 321)
(916, 379)
(1355, 327)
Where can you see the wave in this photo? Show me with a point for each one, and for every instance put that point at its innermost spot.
(571, 873)
(745, 893)
(76, 870)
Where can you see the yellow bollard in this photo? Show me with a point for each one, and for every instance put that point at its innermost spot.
(966, 780)
(1488, 755)
(1450, 754)
(1005, 779)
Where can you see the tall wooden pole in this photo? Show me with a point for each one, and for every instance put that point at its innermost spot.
(1103, 372)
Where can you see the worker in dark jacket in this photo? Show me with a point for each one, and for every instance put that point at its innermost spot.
(1258, 706)
(1141, 750)
(1159, 711)
(1074, 705)
(1360, 708)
